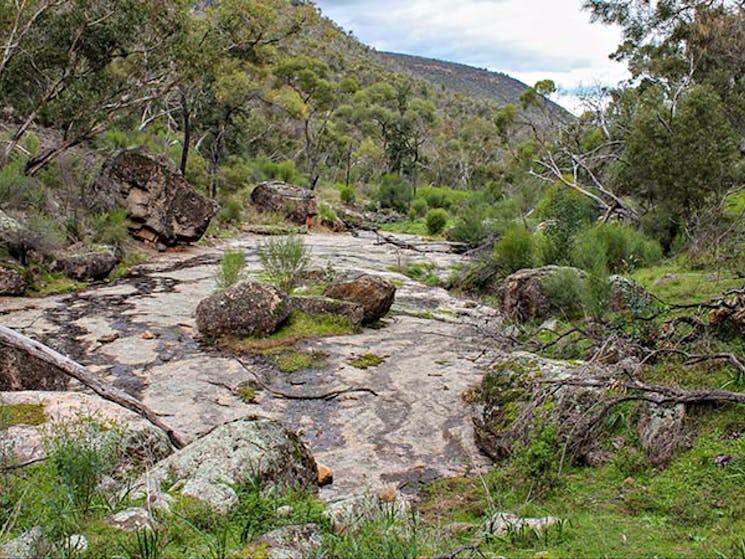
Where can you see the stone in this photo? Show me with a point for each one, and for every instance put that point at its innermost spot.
(285, 511)
(348, 513)
(246, 309)
(12, 282)
(729, 310)
(162, 207)
(73, 546)
(131, 520)
(627, 295)
(502, 523)
(21, 371)
(30, 545)
(250, 451)
(295, 203)
(325, 476)
(86, 264)
(325, 305)
(522, 295)
(661, 431)
(374, 293)
(292, 542)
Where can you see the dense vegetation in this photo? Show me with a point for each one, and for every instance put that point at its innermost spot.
(647, 183)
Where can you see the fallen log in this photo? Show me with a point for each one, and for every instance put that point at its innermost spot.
(78, 372)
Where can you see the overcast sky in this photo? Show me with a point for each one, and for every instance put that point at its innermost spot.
(527, 39)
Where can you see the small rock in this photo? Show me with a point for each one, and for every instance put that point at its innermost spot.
(109, 338)
(148, 335)
(131, 520)
(629, 481)
(325, 476)
(73, 546)
(295, 203)
(723, 460)
(502, 523)
(285, 511)
(388, 495)
(292, 542)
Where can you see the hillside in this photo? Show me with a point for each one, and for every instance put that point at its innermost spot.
(463, 79)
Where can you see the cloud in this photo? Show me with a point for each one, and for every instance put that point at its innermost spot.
(528, 39)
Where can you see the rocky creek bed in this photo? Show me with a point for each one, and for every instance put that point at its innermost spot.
(408, 426)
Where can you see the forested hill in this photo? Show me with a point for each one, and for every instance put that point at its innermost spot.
(460, 78)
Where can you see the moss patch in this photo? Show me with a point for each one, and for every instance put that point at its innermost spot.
(295, 360)
(55, 284)
(366, 361)
(22, 414)
(298, 327)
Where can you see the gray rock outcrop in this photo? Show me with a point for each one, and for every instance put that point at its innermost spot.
(162, 207)
(523, 296)
(246, 309)
(374, 293)
(293, 202)
(254, 451)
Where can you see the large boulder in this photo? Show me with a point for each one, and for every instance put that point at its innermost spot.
(21, 371)
(295, 203)
(523, 394)
(246, 309)
(162, 206)
(253, 451)
(324, 305)
(374, 293)
(84, 265)
(12, 282)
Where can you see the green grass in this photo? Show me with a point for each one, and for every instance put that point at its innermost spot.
(423, 272)
(417, 227)
(23, 414)
(366, 361)
(55, 284)
(676, 285)
(298, 327)
(294, 360)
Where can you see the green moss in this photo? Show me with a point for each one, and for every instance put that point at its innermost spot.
(295, 360)
(55, 284)
(366, 361)
(247, 394)
(23, 414)
(298, 327)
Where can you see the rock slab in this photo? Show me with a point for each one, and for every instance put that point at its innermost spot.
(12, 282)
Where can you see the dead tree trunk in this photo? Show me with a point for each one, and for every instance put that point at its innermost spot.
(80, 373)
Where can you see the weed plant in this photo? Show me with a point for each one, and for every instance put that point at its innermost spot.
(285, 260)
(231, 269)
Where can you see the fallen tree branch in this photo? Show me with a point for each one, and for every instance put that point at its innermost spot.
(78, 372)
(12, 467)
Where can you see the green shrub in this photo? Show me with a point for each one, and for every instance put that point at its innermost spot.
(565, 212)
(326, 215)
(110, 228)
(418, 208)
(623, 248)
(40, 233)
(565, 291)
(348, 194)
(266, 169)
(442, 196)
(515, 250)
(231, 267)
(285, 260)
(436, 220)
(235, 174)
(231, 211)
(394, 194)
(19, 192)
(471, 228)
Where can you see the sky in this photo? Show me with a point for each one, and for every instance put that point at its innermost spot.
(530, 40)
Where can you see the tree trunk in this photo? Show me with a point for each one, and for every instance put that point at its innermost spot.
(80, 373)
(186, 114)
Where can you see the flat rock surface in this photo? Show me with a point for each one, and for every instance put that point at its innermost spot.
(139, 334)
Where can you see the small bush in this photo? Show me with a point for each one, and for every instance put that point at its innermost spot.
(348, 194)
(285, 260)
(110, 228)
(19, 192)
(565, 291)
(326, 215)
(471, 228)
(436, 220)
(40, 233)
(231, 267)
(230, 212)
(516, 250)
(418, 208)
